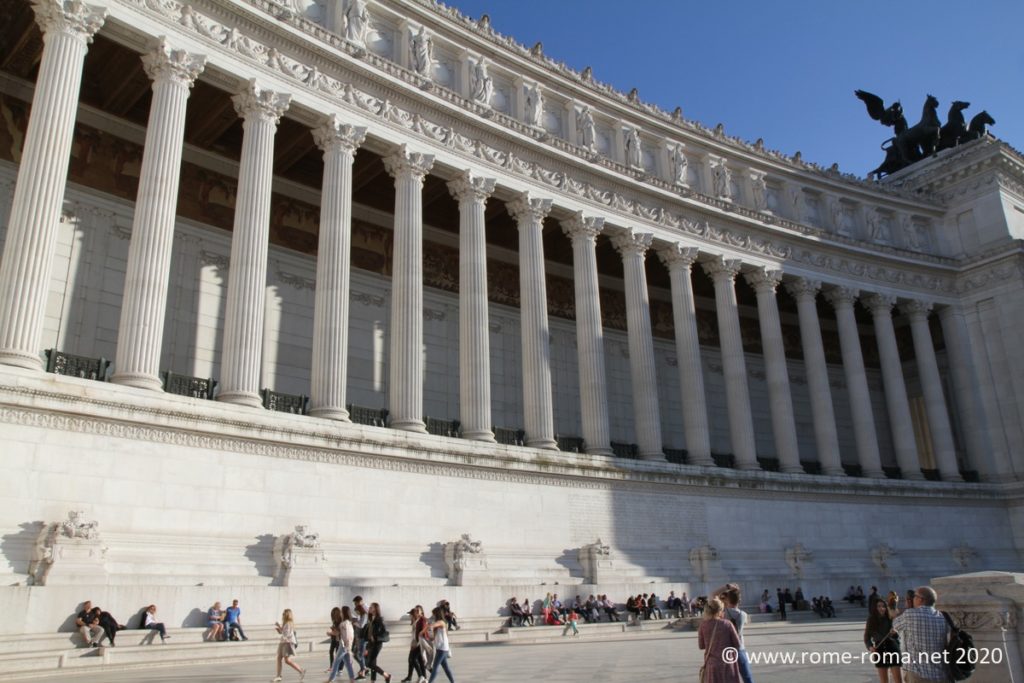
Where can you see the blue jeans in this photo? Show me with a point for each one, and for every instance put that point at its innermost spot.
(441, 660)
(341, 657)
(235, 626)
(744, 664)
(357, 652)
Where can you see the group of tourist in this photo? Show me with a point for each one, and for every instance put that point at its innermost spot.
(224, 624)
(638, 607)
(358, 635)
(96, 624)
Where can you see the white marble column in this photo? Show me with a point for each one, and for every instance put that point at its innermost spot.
(965, 387)
(826, 438)
(864, 432)
(646, 414)
(723, 272)
(583, 231)
(474, 332)
(339, 142)
(140, 333)
(900, 423)
(529, 213)
(931, 385)
(679, 261)
(765, 282)
(261, 111)
(68, 28)
(405, 398)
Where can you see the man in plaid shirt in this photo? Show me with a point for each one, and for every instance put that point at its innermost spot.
(923, 636)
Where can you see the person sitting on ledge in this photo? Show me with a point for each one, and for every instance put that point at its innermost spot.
(88, 625)
(233, 619)
(859, 596)
(150, 622)
(108, 623)
(798, 599)
(527, 608)
(653, 611)
(215, 622)
(610, 608)
(515, 613)
(851, 595)
(826, 606)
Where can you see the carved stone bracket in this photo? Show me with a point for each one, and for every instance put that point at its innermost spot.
(466, 562)
(299, 559)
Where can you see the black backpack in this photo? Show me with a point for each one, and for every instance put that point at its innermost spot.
(960, 652)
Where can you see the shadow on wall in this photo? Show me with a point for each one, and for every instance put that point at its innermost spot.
(570, 560)
(433, 557)
(17, 548)
(261, 554)
(196, 617)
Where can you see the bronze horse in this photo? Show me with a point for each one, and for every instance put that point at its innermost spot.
(976, 130)
(921, 139)
(955, 129)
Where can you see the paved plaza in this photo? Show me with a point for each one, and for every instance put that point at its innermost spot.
(673, 657)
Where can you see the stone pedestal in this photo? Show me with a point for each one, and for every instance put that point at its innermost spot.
(988, 605)
(299, 560)
(466, 563)
(598, 565)
(69, 553)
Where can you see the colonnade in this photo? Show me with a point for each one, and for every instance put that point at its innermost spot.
(29, 251)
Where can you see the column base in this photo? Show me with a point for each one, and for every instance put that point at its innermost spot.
(21, 359)
(702, 461)
(138, 380)
(546, 444)
(479, 435)
(241, 398)
(956, 477)
(833, 472)
(599, 450)
(874, 474)
(792, 469)
(407, 425)
(654, 457)
(327, 412)
(912, 476)
(748, 466)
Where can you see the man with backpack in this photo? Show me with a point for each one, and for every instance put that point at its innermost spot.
(924, 635)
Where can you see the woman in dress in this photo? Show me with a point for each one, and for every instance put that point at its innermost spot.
(286, 645)
(715, 635)
(376, 635)
(346, 633)
(442, 648)
(215, 621)
(418, 622)
(879, 638)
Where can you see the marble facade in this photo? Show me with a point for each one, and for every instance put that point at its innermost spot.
(706, 345)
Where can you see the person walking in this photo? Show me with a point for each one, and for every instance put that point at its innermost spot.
(570, 623)
(359, 651)
(730, 595)
(782, 603)
(286, 645)
(714, 636)
(418, 623)
(334, 633)
(442, 648)
(880, 639)
(376, 635)
(343, 654)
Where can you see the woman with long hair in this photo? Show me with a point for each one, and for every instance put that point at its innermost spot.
(418, 623)
(880, 640)
(714, 636)
(376, 635)
(346, 634)
(286, 645)
(333, 634)
(442, 648)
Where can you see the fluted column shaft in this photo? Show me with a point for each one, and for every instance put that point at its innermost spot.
(474, 340)
(826, 437)
(247, 274)
(965, 386)
(864, 432)
(896, 402)
(734, 365)
(405, 398)
(39, 192)
(931, 384)
(329, 375)
(765, 282)
(679, 261)
(538, 413)
(646, 413)
(583, 232)
(143, 309)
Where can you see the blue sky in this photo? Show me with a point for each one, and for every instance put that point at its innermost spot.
(785, 70)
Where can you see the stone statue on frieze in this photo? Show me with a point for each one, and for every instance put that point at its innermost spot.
(597, 563)
(963, 555)
(69, 552)
(466, 562)
(881, 555)
(299, 559)
(702, 559)
(421, 49)
(357, 22)
(911, 144)
(797, 558)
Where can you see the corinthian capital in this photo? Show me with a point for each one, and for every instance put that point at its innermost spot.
(721, 268)
(842, 297)
(763, 279)
(803, 288)
(632, 243)
(261, 104)
(676, 256)
(73, 17)
(333, 134)
(527, 208)
(470, 188)
(580, 227)
(916, 310)
(403, 162)
(163, 64)
(879, 304)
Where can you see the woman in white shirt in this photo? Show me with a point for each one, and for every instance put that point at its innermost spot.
(286, 646)
(152, 624)
(442, 649)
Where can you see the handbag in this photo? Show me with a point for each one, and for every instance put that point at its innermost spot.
(702, 676)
